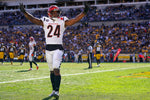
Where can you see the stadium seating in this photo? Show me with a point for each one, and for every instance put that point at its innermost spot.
(130, 37)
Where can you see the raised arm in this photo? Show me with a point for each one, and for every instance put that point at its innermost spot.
(30, 17)
(78, 17)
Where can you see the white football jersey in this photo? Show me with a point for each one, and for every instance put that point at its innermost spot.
(54, 29)
(31, 46)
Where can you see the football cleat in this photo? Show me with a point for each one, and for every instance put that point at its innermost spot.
(52, 94)
(89, 67)
(37, 67)
(30, 69)
(98, 65)
(21, 64)
(56, 94)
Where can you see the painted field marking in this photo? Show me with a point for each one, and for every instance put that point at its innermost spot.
(100, 71)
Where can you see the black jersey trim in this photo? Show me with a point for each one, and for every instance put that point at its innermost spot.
(51, 47)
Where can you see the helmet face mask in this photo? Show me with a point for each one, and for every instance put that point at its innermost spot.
(53, 11)
(22, 46)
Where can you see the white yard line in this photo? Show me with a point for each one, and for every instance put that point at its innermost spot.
(100, 71)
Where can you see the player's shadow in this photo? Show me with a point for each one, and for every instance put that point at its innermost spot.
(49, 98)
(8, 65)
(91, 68)
(87, 68)
(23, 71)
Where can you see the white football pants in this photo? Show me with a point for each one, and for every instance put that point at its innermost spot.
(54, 59)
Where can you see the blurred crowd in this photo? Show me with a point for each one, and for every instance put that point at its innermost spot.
(131, 38)
(110, 13)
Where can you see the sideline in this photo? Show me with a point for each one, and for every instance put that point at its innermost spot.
(100, 71)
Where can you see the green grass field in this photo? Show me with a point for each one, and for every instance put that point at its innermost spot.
(111, 81)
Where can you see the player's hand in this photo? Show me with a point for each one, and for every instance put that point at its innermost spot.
(21, 6)
(86, 8)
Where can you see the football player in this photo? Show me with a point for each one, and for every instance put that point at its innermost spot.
(2, 52)
(12, 51)
(21, 54)
(32, 53)
(98, 52)
(54, 26)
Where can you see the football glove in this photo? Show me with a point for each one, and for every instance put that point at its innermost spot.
(86, 8)
(21, 6)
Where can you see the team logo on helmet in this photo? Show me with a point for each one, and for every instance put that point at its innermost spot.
(52, 9)
(31, 38)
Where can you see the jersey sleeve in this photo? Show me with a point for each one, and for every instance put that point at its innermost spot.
(34, 42)
(43, 19)
(66, 18)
